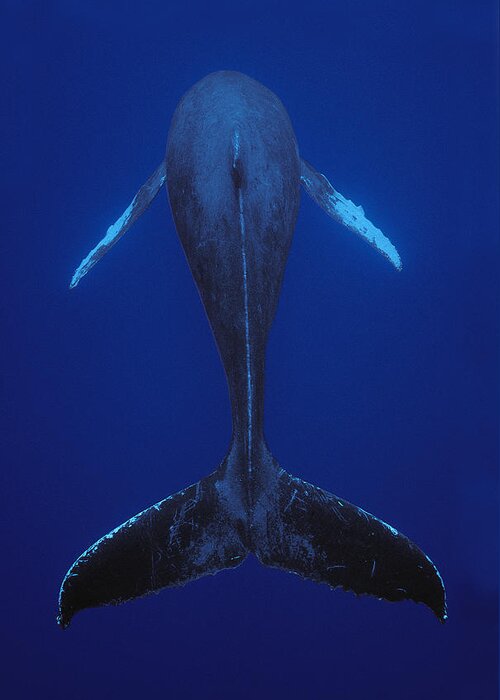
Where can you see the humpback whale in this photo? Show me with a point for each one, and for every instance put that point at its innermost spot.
(233, 175)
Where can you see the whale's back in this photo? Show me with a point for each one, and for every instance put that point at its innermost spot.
(233, 171)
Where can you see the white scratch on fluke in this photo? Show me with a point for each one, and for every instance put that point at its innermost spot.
(292, 499)
(391, 529)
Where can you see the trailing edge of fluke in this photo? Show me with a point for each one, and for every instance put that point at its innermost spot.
(233, 173)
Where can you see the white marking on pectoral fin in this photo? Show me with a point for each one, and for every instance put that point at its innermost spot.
(346, 212)
(138, 206)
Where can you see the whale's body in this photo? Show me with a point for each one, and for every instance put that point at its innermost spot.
(234, 190)
(233, 175)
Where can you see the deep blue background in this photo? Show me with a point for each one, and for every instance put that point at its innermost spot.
(381, 387)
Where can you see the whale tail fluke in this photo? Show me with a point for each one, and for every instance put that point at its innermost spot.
(299, 528)
(313, 533)
(177, 540)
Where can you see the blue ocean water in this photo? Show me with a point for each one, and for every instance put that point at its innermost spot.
(382, 387)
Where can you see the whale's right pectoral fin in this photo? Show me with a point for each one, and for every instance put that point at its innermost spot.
(181, 538)
(346, 212)
(138, 206)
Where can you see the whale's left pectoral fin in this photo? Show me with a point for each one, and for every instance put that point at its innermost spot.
(138, 206)
(346, 212)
